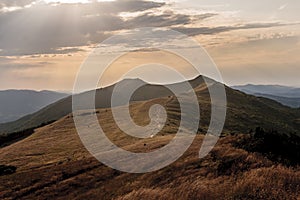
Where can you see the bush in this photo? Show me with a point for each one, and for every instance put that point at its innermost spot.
(7, 169)
(278, 147)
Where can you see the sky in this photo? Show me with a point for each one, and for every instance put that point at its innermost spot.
(44, 43)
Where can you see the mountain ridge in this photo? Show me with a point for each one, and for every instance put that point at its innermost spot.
(249, 110)
(15, 104)
(288, 96)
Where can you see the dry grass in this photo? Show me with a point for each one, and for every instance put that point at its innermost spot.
(53, 164)
(265, 183)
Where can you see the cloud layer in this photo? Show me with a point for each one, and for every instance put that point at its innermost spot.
(45, 29)
(267, 40)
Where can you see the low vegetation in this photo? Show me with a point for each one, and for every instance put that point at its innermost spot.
(282, 148)
(53, 164)
(7, 169)
(50, 162)
(8, 139)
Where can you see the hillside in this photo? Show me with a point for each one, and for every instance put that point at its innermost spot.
(245, 112)
(53, 164)
(15, 104)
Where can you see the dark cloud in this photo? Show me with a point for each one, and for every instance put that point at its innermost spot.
(163, 20)
(205, 16)
(107, 7)
(125, 6)
(44, 29)
(220, 29)
(166, 19)
(66, 26)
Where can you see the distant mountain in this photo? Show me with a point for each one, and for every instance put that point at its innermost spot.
(245, 112)
(293, 102)
(289, 96)
(276, 90)
(15, 104)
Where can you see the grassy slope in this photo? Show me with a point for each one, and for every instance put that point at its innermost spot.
(53, 164)
(247, 111)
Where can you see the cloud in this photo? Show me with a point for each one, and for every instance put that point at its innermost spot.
(65, 25)
(43, 29)
(8, 64)
(161, 20)
(165, 19)
(221, 29)
(102, 7)
(61, 29)
(282, 7)
(15, 3)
